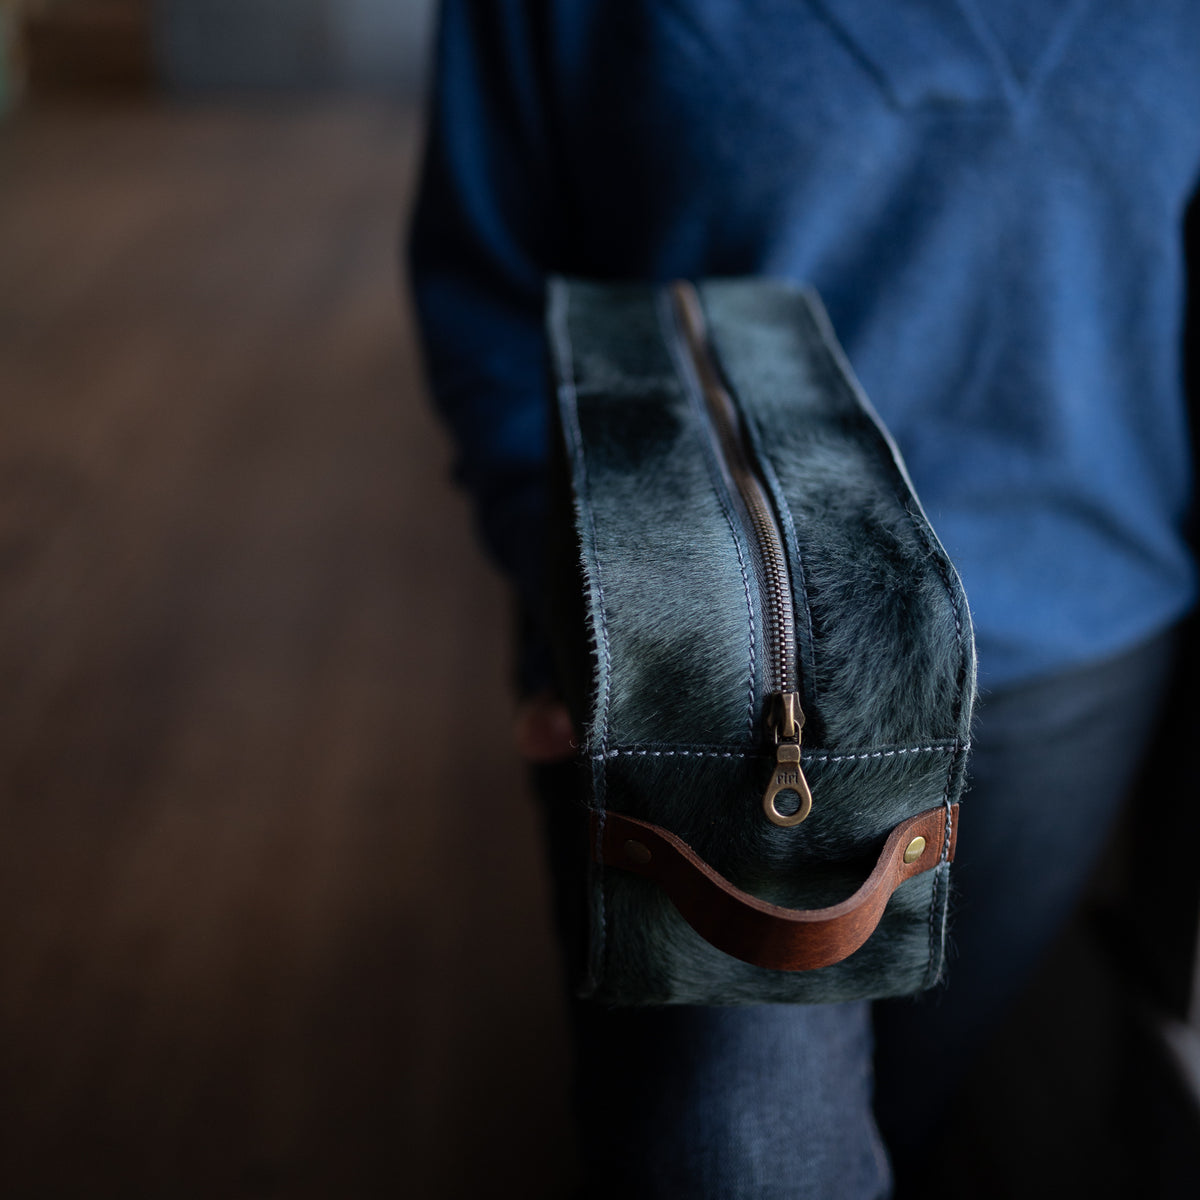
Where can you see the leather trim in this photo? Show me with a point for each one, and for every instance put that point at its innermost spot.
(753, 930)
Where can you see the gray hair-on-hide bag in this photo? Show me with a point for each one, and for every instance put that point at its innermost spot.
(765, 646)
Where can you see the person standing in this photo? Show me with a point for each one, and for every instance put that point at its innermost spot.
(989, 198)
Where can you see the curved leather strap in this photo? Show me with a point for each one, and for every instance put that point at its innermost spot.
(767, 935)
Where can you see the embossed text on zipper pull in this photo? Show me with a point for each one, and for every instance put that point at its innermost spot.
(787, 778)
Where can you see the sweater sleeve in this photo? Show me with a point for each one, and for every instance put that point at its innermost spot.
(481, 240)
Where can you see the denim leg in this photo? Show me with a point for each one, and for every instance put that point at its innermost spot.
(1051, 764)
(776, 1101)
(770, 1102)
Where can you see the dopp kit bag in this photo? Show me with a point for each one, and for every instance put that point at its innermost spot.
(764, 647)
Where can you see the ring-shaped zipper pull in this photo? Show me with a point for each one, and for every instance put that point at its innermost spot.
(788, 775)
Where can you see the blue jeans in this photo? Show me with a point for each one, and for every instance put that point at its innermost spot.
(795, 1102)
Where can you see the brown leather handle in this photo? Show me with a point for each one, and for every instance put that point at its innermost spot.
(767, 935)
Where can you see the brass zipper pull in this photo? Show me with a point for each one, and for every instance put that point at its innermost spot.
(788, 776)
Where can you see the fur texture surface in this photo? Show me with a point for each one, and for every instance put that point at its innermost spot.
(674, 698)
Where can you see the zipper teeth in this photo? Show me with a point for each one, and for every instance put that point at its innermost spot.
(781, 627)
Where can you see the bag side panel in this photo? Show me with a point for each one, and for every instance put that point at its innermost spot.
(670, 611)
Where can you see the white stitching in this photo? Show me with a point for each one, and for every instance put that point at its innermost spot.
(562, 302)
(685, 373)
(822, 757)
(750, 609)
(581, 463)
(673, 753)
(936, 943)
(879, 753)
(797, 569)
(924, 531)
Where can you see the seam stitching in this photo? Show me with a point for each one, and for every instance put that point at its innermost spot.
(600, 621)
(934, 940)
(667, 326)
(812, 758)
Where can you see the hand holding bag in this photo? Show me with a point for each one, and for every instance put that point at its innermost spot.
(766, 647)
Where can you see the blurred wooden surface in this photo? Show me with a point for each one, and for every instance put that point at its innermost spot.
(274, 917)
(87, 47)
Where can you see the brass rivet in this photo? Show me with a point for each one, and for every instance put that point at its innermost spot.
(915, 849)
(637, 853)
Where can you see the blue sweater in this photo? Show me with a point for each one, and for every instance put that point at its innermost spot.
(988, 195)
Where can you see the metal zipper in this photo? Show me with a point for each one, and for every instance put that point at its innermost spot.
(784, 714)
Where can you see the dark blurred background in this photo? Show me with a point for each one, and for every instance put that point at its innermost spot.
(274, 918)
